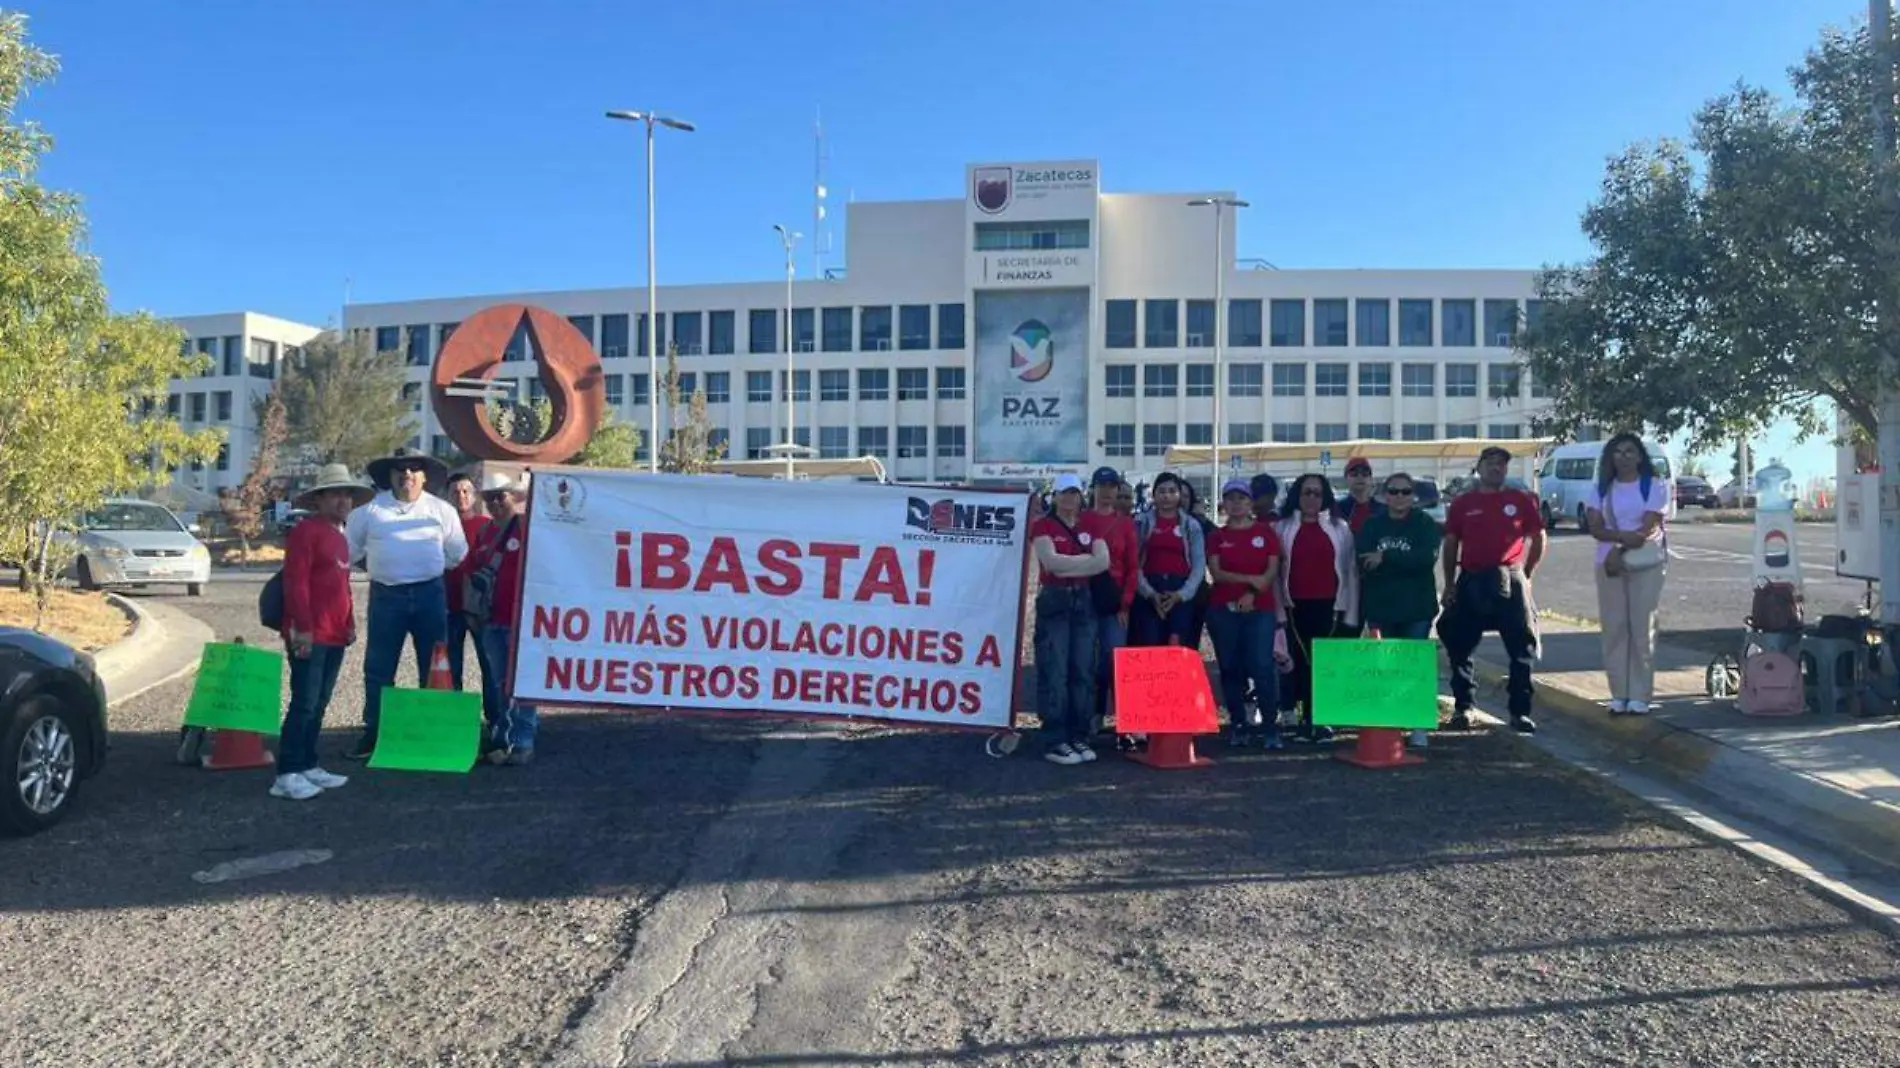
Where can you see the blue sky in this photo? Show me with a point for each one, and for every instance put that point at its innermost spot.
(243, 155)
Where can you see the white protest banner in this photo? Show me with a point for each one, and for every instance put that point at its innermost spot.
(806, 598)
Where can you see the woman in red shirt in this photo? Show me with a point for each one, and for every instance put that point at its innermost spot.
(1069, 552)
(1243, 615)
(1319, 589)
(319, 626)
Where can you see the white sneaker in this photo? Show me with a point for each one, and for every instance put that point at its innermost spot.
(324, 780)
(294, 787)
(1064, 754)
(1638, 708)
(1619, 707)
(1085, 751)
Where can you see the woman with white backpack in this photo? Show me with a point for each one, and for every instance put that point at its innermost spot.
(1625, 516)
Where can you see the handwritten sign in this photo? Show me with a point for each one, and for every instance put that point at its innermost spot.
(1163, 691)
(1360, 682)
(239, 688)
(428, 730)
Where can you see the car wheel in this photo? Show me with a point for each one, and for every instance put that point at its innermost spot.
(40, 753)
(196, 589)
(1583, 521)
(83, 573)
(1550, 521)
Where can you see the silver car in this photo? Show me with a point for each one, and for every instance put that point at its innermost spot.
(137, 543)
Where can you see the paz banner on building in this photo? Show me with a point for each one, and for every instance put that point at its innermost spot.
(1032, 377)
(806, 598)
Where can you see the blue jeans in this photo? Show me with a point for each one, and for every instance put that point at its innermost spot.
(312, 681)
(417, 614)
(458, 634)
(519, 720)
(1065, 663)
(1110, 635)
(1243, 647)
(1149, 626)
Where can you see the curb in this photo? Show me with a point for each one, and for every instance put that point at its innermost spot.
(122, 656)
(1750, 784)
(155, 653)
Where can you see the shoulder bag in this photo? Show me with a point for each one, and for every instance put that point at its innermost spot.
(1650, 554)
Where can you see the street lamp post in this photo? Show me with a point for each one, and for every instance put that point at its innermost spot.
(791, 368)
(653, 295)
(1220, 205)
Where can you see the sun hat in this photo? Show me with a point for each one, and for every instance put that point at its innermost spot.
(336, 476)
(496, 482)
(435, 472)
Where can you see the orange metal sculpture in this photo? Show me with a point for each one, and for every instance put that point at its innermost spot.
(569, 370)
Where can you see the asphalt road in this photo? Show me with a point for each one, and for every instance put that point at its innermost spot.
(661, 890)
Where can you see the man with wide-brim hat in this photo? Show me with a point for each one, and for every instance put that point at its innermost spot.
(408, 539)
(513, 724)
(319, 625)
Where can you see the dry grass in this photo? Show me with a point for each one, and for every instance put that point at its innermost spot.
(83, 620)
(231, 554)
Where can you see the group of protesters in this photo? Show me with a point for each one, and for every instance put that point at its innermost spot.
(1274, 575)
(441, 572)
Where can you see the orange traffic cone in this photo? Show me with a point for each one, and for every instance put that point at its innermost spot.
(1171, 752)
(439, 669)
(236, 750)
(1379, 747)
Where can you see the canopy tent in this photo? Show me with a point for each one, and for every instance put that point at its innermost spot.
(1442, 452)
(858, 467)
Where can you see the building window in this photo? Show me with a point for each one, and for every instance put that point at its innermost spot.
(950, 383)
(1416, 380)
(411, 395)
(801, 386)
(264, 357)
(613, 337)
(1533, 314)
(1289, 380)
(913, 384)
(443, 332)
(642, 389)
(1461, 430)
(537, 392)
(834, 442)
(1288, 323)
(719, 333)
(1461, 327)
(913, 442)
(582, 323)
(1328, 433)
(1330, 323)
(1119, 317)
(1245, 379)
(837, 330)
(616, 391)
(762, 331)
(1375, 431)
(1500, 323)
(1243, 323)
(1375, 322)
(221, 404)
(949, 326)
(950, 442)
(517, 348)
(1415, 323)
(1027, 236)
(1118, 439)
(1461, 380)
(688, 333)
(874, 383)
(234, 355)
(197, 407)
(913, 327)
(1418, 432)
(1197, 434)
(874, 441)
(718, 387)
(834, 385)
(659, 337)
(1164, 324)
(757, 440)
(1330, 379)
(1504, 431)
(224, 456)
(1289, 433)
(1121, 379)
(1160, 380)
(1246, 433)
(802, 327)
(718, 440)
(1200, 380)
(388, 339)
(1503, 381)
(171, 405)
(416, 350)
(1200, 324)
(1157, 438)
(874, 328)
(1538, 388)
(758, 387)
(208, 348)
(1375, 380)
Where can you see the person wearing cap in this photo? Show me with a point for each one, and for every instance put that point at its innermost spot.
(468, 504)
(1069, 556)
(408, 538)
(1243, 617)
(1110, 524)
(1398, 552)
(512, 724)
(1494, 542)
(1265, 490)
(1319, 587)
(1173, 565)
(1196, 509)
(1359, 504)
(319, 626)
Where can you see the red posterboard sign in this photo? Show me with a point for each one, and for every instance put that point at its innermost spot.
(1163, 690)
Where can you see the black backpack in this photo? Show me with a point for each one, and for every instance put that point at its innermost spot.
(270, 602)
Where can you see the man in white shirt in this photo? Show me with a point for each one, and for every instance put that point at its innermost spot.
(408, 537)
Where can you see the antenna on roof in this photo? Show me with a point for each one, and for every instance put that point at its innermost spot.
(820, 233)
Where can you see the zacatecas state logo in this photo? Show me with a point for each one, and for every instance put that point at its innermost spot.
(990, 189)
(948, 519)
(1032, 351)
(564, 497)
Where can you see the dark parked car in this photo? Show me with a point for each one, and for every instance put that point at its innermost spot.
(1693, 489)
(52, 728)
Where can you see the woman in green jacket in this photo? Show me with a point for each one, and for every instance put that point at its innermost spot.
(1398, 554)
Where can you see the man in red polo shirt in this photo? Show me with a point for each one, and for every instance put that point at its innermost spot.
(1494, 540)
(1107, 522)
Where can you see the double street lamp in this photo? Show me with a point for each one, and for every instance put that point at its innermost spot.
(791, 369)
(1220, 206)
(653, 313)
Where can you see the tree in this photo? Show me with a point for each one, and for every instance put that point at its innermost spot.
(81, 389)
(254, 494)
(689, 448)
(1737, 277)
(343, 401)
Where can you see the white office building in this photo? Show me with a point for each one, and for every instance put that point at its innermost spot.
(244, 350)
(1036, 324)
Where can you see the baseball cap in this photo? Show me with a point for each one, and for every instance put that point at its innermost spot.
(1358, 465)
(1105, 476)
(1263, 485)
(1064, 483)
(1495, 450)
(1236, 485)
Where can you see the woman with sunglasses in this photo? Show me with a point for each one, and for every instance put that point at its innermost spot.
(1398, 553)
(1243, 616)
(1319, 587)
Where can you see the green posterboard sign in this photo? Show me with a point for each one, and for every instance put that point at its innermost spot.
(428, 730)
(239, 688)
(1365, 682)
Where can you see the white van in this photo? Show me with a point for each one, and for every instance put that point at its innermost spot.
(1567, 480)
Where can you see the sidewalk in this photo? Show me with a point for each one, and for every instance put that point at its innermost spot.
(1832, 777)
(165, 643)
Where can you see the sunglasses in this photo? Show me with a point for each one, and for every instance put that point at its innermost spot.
(1394, 491)
(409, 469)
